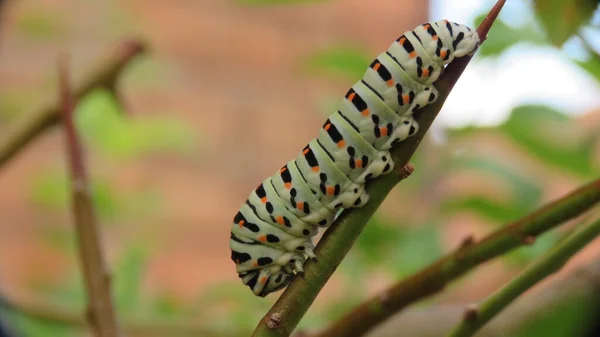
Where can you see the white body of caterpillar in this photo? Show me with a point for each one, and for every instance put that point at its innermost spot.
(271, 235)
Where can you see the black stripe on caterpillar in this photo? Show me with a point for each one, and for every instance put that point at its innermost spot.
(271, 235)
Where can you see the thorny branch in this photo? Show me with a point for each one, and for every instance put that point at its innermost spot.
(291, 306)
(433, 278)
(26, 127)
(100, 313)
(477, 316)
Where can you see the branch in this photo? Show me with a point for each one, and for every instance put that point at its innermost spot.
(100, 313)
(550, 263)
(28, 126)
(291, 306)
(576, 295)
(434, 278)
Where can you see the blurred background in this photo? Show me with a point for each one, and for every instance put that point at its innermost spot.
(229, 91)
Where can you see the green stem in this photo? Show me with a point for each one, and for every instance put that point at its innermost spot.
(550, 263)
(436, 276)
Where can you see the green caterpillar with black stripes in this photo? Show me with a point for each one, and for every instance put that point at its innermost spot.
(271, 235)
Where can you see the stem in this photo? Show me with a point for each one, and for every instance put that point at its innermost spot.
(26, 127)
(100, 314)
(436, 276)
(297, 298)
(549, 264)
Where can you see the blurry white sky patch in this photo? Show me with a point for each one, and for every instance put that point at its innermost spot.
(488, 90)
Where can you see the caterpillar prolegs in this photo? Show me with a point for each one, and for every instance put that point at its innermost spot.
(271, 235)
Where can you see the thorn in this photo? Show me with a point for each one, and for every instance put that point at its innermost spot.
(469, 240)
(471, 312)
(273, 320)
(529, 240)
(406, 171)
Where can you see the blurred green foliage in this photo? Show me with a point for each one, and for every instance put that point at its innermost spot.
(562, 18)
(40, 24)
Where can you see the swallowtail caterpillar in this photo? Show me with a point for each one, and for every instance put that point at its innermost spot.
(271, 235)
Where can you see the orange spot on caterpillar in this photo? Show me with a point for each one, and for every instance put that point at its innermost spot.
(288, 185)
(327, 126)
(255, 264)
(241, 224)
(341, 143)
(330, 190)
(305, 151)
(412, 54)
(402, 40)
(365, 112)
(262, 238)
(384, 131)
(376, 66)
(300, 205)
(315, 169)
(263, 200)
(282, 169)
(351, 97)
(390, 83)
(358, 162)
(405, 99)
(435, 37)
(425, 72)
(279, 220)
(263, 280)
(443, 54)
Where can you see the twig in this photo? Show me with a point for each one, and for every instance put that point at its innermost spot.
(28, 126)
(100, 312)
(289, 309)
(436, 276)
(550, 263)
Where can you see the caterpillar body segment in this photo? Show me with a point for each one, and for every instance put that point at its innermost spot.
(270, 208)
(330, 184)
(354, 156)
(271, 235)
(299, 198)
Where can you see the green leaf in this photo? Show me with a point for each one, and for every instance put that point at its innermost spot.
(574, 316)
(52, 189)
(502, 37)
(102, 123)
(562, 18)
(40, 24)
(340, 60)
(525, 193)
(417, 248)
(377, 239)
(591, 66)
(542, 131)
(127, 280)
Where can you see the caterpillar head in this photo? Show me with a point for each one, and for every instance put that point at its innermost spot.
(465, 40)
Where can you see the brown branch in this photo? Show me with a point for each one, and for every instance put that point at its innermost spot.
(436, 276)
(26, 127)
(100, 313)
(297, 298)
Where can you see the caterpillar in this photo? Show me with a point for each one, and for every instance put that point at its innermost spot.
(271, 235)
